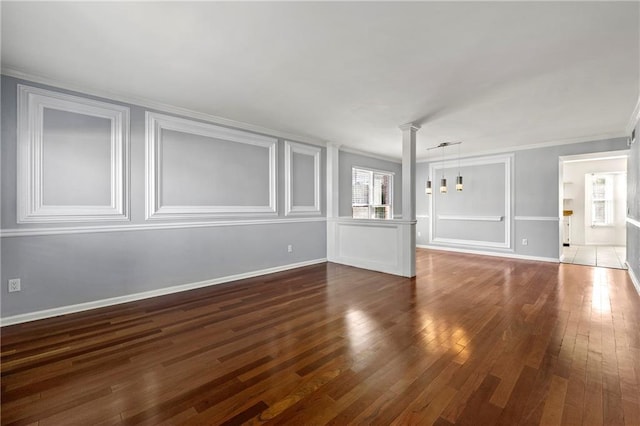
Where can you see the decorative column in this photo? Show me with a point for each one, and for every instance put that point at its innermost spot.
(333, 212)
(409, 198)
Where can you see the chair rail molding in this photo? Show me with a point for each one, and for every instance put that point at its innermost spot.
(31, 207)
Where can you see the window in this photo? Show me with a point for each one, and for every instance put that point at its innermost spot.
(601, 200)
(371, 194)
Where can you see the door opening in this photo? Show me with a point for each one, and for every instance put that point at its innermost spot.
(593, 202)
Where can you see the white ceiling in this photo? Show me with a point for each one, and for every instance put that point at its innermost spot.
(490, 74)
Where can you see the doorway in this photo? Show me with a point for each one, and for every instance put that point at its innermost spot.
(593, 200)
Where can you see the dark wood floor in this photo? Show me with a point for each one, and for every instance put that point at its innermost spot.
(472, 340)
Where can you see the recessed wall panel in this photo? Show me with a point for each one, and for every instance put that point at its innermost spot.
(76, 166)
(480, 214)
(201, 171)
(303, 179)
(72, 158)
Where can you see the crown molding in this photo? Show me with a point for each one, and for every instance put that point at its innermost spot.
(368, 154)
(560, 142)
(159, 106)
(633, 120)
(409, 126)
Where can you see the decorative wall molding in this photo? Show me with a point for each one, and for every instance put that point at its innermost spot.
(155, 209)
(33, 232)
(32, 103)
(506, 161)
(159, 106)
(490, 253)
(473, 218)
(538, 218)
(48, 313)
(291, 148)
(634, 222)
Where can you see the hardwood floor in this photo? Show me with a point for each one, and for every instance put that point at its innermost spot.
(472, 340)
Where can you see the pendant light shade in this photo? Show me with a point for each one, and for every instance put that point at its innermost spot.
(443, 180)
(459, 177)
(443, 186)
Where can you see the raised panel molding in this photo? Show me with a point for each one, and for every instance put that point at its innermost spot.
(30, 201)
(155, 209)
(505, 160)
(289, 149)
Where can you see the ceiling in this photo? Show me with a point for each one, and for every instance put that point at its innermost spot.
(494, 75)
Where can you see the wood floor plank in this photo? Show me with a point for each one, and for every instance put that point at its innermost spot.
(470, 340)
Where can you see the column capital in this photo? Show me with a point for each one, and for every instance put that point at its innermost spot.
(410, 126)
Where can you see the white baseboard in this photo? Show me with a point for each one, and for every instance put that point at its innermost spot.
(634, 278)
(63, 310)
(491, 253)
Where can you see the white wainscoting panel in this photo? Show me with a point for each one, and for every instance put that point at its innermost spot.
(379, 245)
(291, 208)
(31, 207)
(156, 209)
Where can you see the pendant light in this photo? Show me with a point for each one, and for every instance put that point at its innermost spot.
(459, 177)
(443, 181)
(427, 188)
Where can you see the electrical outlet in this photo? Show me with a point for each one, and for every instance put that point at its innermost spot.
(525, 241)
(419, 234)
(14, 285)
(289, 248)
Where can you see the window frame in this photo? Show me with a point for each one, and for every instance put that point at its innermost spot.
(607, 199)
(370, 204)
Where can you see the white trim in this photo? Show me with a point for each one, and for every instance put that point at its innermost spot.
(64, 310)
(633, 120)
(506, 160)
(489, 253)
(33, 232)
(538, 218)
(30, 134)
(548, 144)
(634, 278)
(151, 104)
(289, 149)
(369, 155)
(473, 218)
(633, 222)
(155, 123)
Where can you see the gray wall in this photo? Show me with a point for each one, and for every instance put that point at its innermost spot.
(348, 160)
(72, 268)
(535, 193)
(633, 203)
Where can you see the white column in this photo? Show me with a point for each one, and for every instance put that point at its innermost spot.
(333, 191)
(409, 198)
